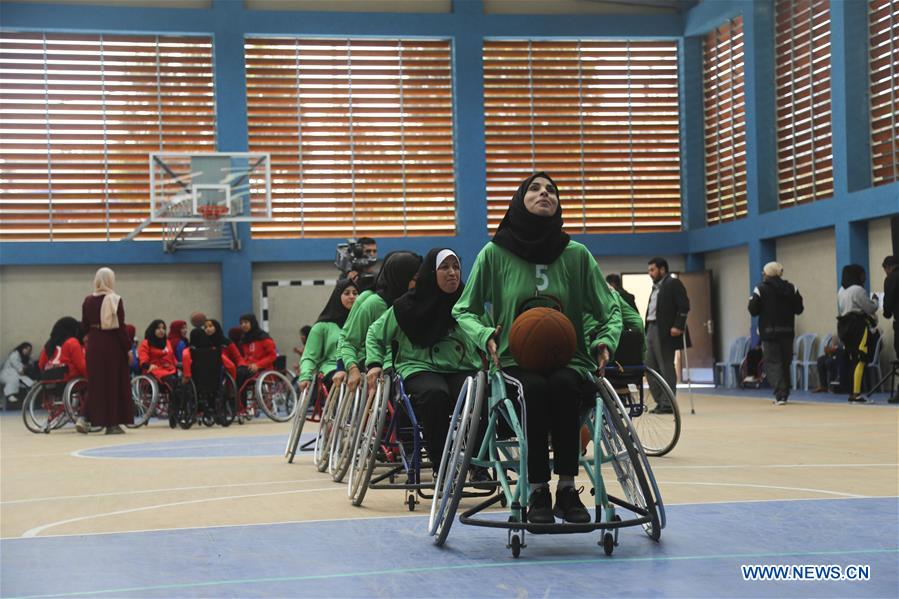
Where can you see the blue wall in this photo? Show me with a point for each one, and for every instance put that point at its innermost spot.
(853, 204)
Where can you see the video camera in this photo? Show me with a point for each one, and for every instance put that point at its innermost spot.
(351, 257)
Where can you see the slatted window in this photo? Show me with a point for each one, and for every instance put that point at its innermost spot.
(360, 132)
(725, 123)
(601, 117)
(884, 70)
(804, 145)
(79, 115)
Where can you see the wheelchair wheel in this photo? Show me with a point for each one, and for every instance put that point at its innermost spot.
(623, 447)
(647, 469)
(341, 452)
(464, 432)
(659, 432)
(322, 449)
(276, 396)
(296, 429)
(74, 396)
(370, 443)
(448, 459)
(144, 394)
(43, 409)
(369, 411)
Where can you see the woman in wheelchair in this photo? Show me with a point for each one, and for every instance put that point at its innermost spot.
(157, 356)
(532, 261)
(257, 349)
(320, 353)
(397, 276)
(62, 357)
(432, 355)
(211, 335)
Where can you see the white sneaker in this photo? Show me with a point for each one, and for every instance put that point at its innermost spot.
(82, 426)
(780, 401)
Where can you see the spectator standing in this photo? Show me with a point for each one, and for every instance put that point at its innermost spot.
(856, 325)
(891, 304)
(666, 328)
(776, 302)
(108, 383)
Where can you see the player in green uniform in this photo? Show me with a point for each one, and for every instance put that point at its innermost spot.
(320, 354)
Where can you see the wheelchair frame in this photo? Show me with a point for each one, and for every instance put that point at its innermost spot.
(61, 410)
(614, 441)
(656, 442)
(301, 416)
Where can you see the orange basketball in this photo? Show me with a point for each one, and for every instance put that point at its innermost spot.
(542, 339)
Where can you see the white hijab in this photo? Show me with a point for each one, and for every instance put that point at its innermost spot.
(104, 281)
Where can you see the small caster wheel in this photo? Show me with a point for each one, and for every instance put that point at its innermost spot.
(410, 501)
(515, 545)
(608, 543)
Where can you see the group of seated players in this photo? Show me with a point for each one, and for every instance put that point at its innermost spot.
(433, 330)
(165, 353)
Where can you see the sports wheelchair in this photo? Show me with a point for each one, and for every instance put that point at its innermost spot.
(52, 402)
(657, 425)
(151, 397)
(337, 429)
(390, 445)
(315, 395)
(210, 397)
(271, 390)
(614, 441)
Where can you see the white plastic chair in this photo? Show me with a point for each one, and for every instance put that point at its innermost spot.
(874, 366)
(802, 358)
(729, 369)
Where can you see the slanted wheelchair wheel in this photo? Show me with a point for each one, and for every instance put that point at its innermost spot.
(322, 449)
(464, 440)
(357, 461)
(625, 451)
(276, 396)
(299, 419)
(342, 450)
(370, 442)
(73, 397)
(43, 409)
(145, 395)
(658, 431)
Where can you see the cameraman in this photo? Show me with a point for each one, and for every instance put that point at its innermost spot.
(359, 258)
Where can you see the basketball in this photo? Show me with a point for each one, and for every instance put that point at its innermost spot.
(542, 339)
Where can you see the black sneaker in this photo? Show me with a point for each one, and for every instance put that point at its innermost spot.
(480, 478)
(662, 409)
(857, 399)
(569, 506)
(540, 507)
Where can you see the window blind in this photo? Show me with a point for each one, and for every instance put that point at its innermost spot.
(884, 72)
(804, 145)
(79, 115)
(360, 132)
(601, 117)
(725, 123)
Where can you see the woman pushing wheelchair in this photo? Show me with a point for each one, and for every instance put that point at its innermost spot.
(529, 263)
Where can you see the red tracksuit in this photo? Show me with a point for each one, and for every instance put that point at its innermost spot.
(69, 354)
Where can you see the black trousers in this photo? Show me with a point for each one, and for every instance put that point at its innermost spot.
(778, 355)
(433, 398)
(553, 403)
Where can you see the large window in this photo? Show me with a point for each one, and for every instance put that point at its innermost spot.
(601, 117)
(360, 132)
(884, 69)
(725, 123)
(79, 115)
(804, 146)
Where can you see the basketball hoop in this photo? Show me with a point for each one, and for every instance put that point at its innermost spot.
(212, 214)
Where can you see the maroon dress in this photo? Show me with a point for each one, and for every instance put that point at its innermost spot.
(108, 379)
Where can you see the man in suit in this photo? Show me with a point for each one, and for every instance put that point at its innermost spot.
(666, 324)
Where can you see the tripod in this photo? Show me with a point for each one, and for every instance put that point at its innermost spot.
(890, 376)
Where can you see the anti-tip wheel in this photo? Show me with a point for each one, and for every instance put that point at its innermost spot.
(608, 543)
(515, 545)
(410, 502)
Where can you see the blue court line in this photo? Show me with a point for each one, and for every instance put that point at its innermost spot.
(514, 564)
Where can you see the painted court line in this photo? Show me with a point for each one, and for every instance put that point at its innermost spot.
(600, 561)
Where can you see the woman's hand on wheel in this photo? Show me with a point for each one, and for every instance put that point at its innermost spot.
(492, 347)
(338, 378)
(372, 375)
(353, 379)
(602, 358)
(303, 386)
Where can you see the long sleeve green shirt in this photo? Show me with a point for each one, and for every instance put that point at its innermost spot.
(320, 353)
(503, 280)
(351, 347)
(456, 352)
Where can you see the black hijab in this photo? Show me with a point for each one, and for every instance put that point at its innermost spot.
(199, 339)
(150, 335)
(255, 333)
(425, 312)
(63, 329)
(396, 272)
(219, 334)
(334, 310)
(537, 239)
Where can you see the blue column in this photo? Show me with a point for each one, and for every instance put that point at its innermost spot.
(694, 262)
(850, 110)
(237, 288)
(692, 144)
(852, 246)
(761, 113)
(471, 157)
